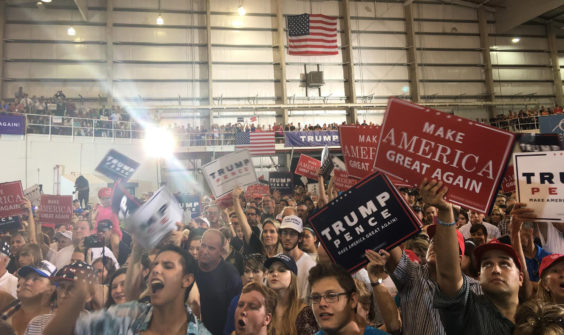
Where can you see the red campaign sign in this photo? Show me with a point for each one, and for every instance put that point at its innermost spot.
(342, 181)
(11, 199)
(508, 183)
(55, 210)
(468, 157)
(358, 146)
(256, 191)
(307, 167)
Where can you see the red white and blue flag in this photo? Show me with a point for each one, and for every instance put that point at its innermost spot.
(312, 35)
(258, 143)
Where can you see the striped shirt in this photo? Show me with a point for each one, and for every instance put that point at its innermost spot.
(416, 291)
(38, 324)
(468, 313)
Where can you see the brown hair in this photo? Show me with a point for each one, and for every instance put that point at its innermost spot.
(291, 312)
(270, 300)
(539, 318)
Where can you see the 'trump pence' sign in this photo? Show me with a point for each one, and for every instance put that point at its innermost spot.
(540, 183)
(117, 166)
(226, 172)
(468, 157)
(370, 215)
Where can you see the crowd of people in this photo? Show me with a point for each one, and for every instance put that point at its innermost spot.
(255, 266)
(525, 119)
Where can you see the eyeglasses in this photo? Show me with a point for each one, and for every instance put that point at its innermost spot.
(329, 297)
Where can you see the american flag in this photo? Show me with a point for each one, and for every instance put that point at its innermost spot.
(258, 143)
(312, 34)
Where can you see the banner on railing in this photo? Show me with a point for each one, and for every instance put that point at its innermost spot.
(311, 138)
(12, 124)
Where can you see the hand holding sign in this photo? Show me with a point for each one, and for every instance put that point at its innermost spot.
(433, 193)
(520, 214)
(376, 263)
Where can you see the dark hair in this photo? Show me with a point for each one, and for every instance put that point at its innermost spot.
(226, 231)
(254, 261)
(270, 297)
(479, 226)
(465, 214)
(324, 270)
(110, 301)
(110, 266)
(187, 261)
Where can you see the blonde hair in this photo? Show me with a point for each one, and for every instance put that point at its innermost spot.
(280, 323)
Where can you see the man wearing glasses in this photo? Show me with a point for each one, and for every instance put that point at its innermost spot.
(334, 301)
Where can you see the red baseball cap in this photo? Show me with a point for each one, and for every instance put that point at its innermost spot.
(497, 245)
(433, 228)
(548, 261)
(412, 256)
(105, 192)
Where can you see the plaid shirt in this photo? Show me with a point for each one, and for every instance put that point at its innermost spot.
(128, 319)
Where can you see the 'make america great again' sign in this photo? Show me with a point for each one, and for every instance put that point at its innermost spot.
(468, 157)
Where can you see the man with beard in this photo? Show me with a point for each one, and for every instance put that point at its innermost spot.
(267, 208)
(170, 278)
(291, 233)
(255, 309)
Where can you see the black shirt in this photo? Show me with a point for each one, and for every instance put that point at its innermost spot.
(217, 288)
(468, 313)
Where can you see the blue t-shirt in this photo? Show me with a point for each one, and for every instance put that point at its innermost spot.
(533, 264)
(367, 331)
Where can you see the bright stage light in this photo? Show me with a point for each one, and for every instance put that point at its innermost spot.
(46, 1)
(515, 40)
(71, 31)
(241, 10)
(160, 20)
(159, 143)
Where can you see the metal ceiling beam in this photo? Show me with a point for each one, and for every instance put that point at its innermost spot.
(522, 11)
(82, 6)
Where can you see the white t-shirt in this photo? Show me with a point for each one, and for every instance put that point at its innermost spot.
(9, 283)
(304, 264)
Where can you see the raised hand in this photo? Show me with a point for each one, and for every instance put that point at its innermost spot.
(433, 193)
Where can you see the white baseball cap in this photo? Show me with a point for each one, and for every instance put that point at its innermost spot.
(292, 222)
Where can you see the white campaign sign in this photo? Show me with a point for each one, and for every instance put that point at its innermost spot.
(156, 218)
(540, 183)
(33, 193)
(229, 171)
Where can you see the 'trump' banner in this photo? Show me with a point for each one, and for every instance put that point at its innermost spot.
(371, 215)
(11, 198)
(229, 171)
(281, 181)
(358, 145)
(307, 167)
(552, 124)
(55, 210)
(12, 124)
(540, 183)
(468, 157)
(311, 138)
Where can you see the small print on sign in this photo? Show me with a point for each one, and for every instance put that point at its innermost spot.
(11, 198)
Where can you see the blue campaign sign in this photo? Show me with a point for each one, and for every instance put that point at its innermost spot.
(552, 124)
(370, 215)
(117, 166)
(281, 181)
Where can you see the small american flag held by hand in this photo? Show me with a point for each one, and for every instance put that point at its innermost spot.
(312, 35)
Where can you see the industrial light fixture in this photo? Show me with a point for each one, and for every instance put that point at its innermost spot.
(46, 1)
(160, 20)
(71, 31)
(515, 40)
(241, 10)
